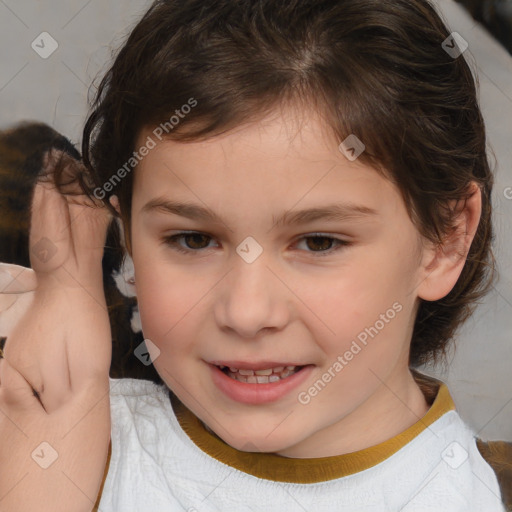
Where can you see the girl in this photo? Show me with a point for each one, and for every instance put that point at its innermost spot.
(305, 195)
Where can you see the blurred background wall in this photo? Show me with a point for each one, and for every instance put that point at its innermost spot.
(52, 52)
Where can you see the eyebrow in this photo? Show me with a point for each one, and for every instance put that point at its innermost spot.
(335, 212)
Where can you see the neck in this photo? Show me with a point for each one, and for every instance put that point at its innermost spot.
(397, 404)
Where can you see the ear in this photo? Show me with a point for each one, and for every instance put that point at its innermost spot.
(114, 201)
(443, 264)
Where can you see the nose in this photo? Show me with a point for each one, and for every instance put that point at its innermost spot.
(252, 299)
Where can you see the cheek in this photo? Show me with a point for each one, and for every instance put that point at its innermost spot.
(160, 307)
(164, 321)
(355, 297)
(367, 311)
(170, 304)
(158, 301)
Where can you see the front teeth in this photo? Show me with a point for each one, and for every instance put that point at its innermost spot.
(261, 376)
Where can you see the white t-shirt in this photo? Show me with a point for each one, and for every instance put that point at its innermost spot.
(157, 465)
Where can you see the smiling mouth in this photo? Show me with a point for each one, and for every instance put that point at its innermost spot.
(266, 376)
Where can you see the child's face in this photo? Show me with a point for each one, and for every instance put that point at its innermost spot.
(300, 302)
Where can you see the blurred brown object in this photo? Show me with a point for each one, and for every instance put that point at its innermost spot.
(495, 15)
(499, 455)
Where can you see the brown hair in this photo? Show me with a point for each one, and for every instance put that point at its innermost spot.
(371, 68)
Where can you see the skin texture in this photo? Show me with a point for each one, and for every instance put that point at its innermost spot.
(59, 346)
(300, 301)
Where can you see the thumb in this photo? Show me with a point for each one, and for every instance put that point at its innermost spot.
(16, 279)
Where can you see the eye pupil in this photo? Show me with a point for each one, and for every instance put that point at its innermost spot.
(195, 236)
(325, 246)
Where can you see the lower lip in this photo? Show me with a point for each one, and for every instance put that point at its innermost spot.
(258, 393)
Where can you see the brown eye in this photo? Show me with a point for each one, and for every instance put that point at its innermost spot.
(323, 245)
(194, 242)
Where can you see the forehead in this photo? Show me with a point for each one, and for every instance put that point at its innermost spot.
(283, 159)
(286, 130)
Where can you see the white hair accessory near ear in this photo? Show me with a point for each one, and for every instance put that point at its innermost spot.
(125, 280)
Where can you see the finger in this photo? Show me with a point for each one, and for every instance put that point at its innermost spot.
(67, 234)
(16, 279)
(49, 239)
(16, 393)
(88, 232)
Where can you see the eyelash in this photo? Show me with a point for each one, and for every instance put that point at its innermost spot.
(172, 241)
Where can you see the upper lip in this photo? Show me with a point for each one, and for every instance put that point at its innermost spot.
(257, 365)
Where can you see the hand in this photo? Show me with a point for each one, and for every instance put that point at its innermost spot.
(54, 377)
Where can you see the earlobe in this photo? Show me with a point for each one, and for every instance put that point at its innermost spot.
(444, 263)
(114, 201)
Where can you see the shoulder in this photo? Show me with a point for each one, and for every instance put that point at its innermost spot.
(498, 454)
(139, 403)
(135, 387)
(138, 393)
